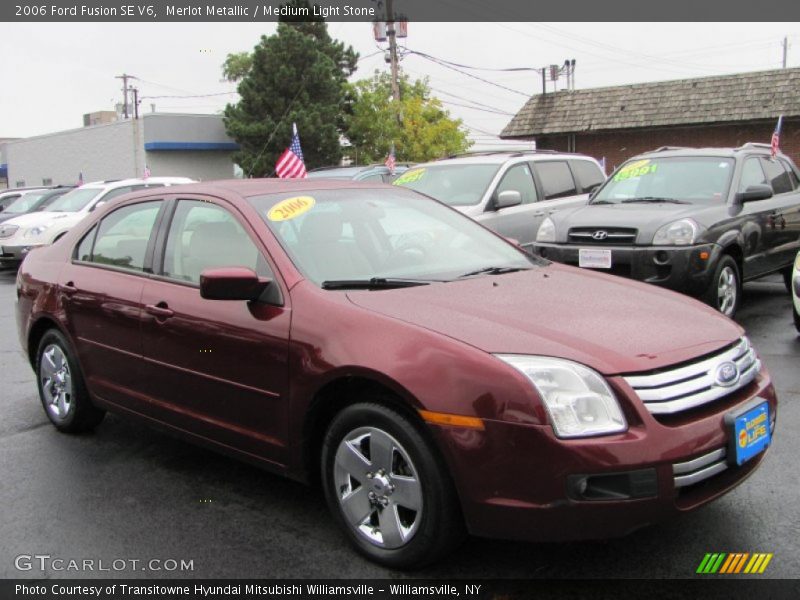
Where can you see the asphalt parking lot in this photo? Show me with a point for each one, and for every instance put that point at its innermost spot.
(127, 492)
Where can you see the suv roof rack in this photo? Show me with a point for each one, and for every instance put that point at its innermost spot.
(666, 148)
(755, 145)
(510, 152)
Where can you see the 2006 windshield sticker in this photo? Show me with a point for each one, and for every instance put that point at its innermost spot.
(639, 168)
(410, 176)
(290, 208)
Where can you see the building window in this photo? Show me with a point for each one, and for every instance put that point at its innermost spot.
(47, 181)
(20, 183)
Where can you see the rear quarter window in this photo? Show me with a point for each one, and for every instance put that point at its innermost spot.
(588, 175)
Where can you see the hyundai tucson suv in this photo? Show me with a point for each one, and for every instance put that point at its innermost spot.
(695, 220)
(509, 192)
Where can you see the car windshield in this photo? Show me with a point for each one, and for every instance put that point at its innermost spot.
(363, 235)
(25, 203)
(456, 185)
(691, 179)
(75, 200)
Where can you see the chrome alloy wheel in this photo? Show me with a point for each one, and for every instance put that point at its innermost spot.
(377, 487)
(56, 382)
(727, 291)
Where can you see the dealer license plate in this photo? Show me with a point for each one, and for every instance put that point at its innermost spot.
(592, 258)
(751, 432)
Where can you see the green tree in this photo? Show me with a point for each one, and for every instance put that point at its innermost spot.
(424, 130)
(298, 75)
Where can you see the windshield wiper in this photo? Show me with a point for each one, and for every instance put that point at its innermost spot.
(494, 271)
(654, 199)
(375, 283)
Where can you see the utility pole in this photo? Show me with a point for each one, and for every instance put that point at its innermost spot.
(125, 78)
(785, 49)
(135, 102)
(391, 33)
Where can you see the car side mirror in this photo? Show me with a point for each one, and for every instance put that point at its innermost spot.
(759, 191)
(98, 205)
(232, 283)
(514, 241)
(507, 198)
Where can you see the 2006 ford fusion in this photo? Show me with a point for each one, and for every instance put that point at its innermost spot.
(432, 376)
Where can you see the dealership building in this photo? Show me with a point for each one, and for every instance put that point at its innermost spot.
(618, 122)
(167, 144)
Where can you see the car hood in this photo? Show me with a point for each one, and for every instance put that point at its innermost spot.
(41, 218)
(611, 324)
(646, 218)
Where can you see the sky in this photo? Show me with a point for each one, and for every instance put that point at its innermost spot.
(53, 73)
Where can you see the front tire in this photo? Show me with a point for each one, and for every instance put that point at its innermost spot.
(725, 290)
(796, 318)
(387, 487)
(61, 387)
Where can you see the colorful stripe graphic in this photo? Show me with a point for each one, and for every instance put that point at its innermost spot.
(734, 562)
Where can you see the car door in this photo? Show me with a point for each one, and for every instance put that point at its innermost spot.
(783, 220)
(519, 222)
(101, 289)
(215, 368)
(753, 221)
(557, 185)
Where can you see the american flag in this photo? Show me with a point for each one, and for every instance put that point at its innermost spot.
(776, 137)
(80, 179)
(390, 161)
(291, 164)
(146, 172)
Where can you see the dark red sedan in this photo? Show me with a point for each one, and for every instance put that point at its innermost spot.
(436, 379)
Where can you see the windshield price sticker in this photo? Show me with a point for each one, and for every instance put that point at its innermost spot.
(638, 168)
(410, 176)
(290, 208)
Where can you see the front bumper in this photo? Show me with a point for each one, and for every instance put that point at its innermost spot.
(13, 255)
(679, 268)
(518, 481)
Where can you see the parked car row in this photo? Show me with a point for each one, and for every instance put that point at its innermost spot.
(434, 378)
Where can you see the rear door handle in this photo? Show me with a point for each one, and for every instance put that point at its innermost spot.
(159, 310)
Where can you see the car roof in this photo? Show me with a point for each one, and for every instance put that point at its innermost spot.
(499, 158)
(258, 187)
(114, 183)
(671, 151)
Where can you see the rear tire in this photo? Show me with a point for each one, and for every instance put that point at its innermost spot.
(387, 487)
(725, 290)
(62, 389)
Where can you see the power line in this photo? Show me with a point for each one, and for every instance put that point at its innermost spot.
(191, 96)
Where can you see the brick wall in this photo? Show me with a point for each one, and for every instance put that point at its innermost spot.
(618, 146)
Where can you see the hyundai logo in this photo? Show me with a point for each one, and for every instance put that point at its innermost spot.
(727, 374)
(599, 235)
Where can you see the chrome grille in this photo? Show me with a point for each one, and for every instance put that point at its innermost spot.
(699, 383)
(602, 235)
(700, 468)
(6, 231)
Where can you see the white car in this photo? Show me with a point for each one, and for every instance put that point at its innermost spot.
(20, 235)
(796, 292)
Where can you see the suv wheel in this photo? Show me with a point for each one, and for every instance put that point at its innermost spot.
(386, 488)
(61, 387)
(724, 292)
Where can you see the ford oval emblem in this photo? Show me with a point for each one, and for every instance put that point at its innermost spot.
(727, 374)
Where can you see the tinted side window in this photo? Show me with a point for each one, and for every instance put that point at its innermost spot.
(205, 236)
(556, 179)
(777, 176)
(752, 174)
(792, 174)
(373, 177)
(84, 249)
(588, 174)
(519, 178)
(122, 236)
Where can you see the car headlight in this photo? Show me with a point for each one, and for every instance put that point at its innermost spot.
(547, 231)
(678, 233)
(578, 399)
(36, 231)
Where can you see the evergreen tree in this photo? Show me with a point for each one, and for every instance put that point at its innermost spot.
(299, 75)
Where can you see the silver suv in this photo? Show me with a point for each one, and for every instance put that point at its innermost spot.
(509, 192)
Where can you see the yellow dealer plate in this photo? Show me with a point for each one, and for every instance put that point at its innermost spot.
(291, 208)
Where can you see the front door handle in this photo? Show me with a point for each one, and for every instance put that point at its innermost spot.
(160, 310)
(69, 288)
